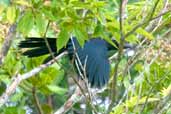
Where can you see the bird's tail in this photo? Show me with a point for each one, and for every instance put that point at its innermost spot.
(38, 46)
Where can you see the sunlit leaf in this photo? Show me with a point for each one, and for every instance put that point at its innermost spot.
(62, 39)
(23, 3)
(11, 14)
(166, 91)
(145, 33)
(134, 100)
(40, 23)
(26, 23)
(57, 89)
(80, 33)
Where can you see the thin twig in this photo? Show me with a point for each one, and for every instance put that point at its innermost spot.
(83, 75)
(122, 38)
(160, 19)
(162, 14)
(37, 103)
(153, 10)
(49, 101)
(46, 41)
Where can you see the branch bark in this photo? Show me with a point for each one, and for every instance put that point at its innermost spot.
(7, 43)
(70, 102)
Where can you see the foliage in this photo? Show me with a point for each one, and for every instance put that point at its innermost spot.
(141, 84)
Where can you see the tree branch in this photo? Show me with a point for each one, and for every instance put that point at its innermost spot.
(77, 96)
(122, 40)
(7, 43)
(19, 78)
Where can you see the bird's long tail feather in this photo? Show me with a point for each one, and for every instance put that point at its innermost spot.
(37, 46)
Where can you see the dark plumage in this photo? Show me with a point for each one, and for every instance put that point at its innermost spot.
(94, 53)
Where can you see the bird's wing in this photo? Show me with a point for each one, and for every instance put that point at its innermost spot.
(94, 57)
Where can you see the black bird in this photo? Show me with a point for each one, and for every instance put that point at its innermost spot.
(93, 55)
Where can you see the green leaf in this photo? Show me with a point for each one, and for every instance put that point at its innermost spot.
(134, 100)
(57, 89)
(119, 109)
(14, 110)
(99, 31)
(16, 97)
(80, 33)
(46, 109)
(114, 25)
(11, 14)
(48, 76)
(23, 3)
(62, 39)
(73, 14)
(10, 110)
(81, 5)
(166, 91)
(109, 41)
(2, 86)
(11, 64)
(99, 4)
(40, 23)
(132, 39)
(26, 23)
(48, 13)
(145, 33)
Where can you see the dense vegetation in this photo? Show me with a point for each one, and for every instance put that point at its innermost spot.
(140, 83)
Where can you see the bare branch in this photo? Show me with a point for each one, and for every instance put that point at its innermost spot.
(7, 43)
